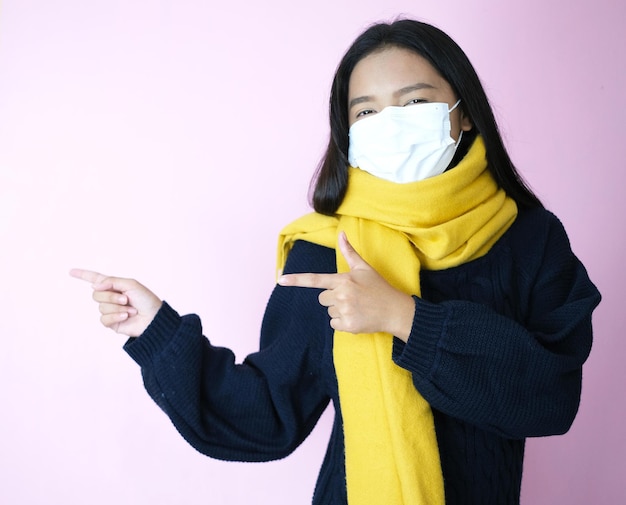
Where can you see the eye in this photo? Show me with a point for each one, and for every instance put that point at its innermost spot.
(415, 101)
(365, 112)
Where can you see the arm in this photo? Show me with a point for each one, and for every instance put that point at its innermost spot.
(255, 411)
(259, 410)
(515, 378)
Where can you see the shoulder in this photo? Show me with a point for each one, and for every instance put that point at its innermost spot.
(534, 231)
(541, 251)
(536, 220)
(307, 257)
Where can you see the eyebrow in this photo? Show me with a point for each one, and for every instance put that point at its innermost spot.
(400, 92)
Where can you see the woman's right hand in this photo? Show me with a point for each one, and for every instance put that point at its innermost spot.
(126, 306)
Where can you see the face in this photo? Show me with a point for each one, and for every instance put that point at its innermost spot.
(402, 78)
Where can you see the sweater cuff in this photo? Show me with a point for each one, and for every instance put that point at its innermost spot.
(155, 337)
(419, 353)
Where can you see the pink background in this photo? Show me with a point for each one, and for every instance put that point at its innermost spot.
(170, 140)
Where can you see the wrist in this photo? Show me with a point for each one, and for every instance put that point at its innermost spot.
(404, 315)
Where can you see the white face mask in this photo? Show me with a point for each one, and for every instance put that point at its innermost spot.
(404, 144)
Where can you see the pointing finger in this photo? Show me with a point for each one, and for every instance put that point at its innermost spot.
(87, 275)
(100, 282)
(321, 281)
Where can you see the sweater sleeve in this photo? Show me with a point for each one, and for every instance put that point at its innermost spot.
(259, 410)
(517, 377)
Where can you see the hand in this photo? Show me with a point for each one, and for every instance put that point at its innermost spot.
(360, 300)
(126, 306)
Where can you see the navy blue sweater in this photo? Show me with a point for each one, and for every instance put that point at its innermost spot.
(497, 347)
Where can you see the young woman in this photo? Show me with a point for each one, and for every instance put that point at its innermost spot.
(430, 297)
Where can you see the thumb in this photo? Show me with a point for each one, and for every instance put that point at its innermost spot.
(119, 284)
(352, 257)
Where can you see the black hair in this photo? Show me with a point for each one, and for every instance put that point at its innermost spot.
(331, 178)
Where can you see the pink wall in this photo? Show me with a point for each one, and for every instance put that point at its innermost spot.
(170, 140)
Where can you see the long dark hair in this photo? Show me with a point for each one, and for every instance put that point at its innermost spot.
(331, 179)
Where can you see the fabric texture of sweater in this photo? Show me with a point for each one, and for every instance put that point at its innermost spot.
(496, 348)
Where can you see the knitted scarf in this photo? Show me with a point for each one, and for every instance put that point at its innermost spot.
(441, 222)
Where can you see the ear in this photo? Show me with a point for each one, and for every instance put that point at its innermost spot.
(466, 122)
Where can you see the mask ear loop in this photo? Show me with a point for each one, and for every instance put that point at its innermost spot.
(455, 105)
(459, 139)
(461, 132)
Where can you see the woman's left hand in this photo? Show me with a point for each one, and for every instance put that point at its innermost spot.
(360, 300)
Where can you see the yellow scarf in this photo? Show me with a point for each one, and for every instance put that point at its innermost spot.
(391, 447)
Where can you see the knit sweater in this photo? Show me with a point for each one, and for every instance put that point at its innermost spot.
(496, 347)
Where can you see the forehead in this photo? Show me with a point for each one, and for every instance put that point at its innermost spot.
(392, 67)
